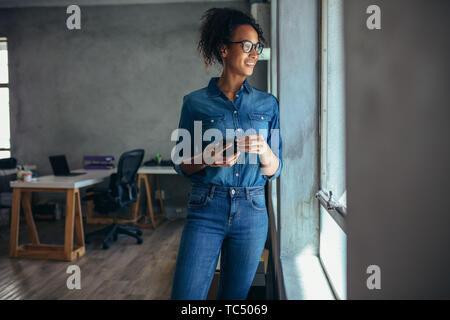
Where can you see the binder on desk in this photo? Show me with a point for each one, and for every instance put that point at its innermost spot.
(98, 162)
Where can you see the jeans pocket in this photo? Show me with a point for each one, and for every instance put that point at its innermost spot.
(258, 202)
(198, 199)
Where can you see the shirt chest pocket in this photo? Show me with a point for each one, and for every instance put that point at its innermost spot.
(216, 121)
(260, 121)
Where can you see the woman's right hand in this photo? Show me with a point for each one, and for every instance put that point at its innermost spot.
(213, 155)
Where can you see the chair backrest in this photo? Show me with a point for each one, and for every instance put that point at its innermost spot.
(8, 163)
(123, 184)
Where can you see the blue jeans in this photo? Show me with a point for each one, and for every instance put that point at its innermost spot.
(230, 220)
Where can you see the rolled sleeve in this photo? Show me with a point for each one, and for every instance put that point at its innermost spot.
(179, 171)
(277, 150)
(277, 173)
(186, 122)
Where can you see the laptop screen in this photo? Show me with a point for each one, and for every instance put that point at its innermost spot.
(59, 165)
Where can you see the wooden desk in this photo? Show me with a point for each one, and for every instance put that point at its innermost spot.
(22, 192)
(143, 174)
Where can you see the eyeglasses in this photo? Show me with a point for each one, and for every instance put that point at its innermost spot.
(247, 46)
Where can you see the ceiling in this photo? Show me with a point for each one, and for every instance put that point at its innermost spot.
(64, 3)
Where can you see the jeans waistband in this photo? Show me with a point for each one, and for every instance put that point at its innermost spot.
(215, 190)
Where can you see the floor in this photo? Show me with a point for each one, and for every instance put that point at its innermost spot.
(125, 271)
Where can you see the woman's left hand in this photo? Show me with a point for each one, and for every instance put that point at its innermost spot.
(254, 143)
(257, 144)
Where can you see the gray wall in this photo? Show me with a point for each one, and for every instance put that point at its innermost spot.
(398, 149)
(114, 85)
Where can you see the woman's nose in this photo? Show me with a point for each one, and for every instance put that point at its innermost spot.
(253, 54)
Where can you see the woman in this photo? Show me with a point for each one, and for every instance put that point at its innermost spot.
(227, 215)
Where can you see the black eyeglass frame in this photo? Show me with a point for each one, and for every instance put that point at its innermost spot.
(253, 46)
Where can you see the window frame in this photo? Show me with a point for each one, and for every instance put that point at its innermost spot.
(6, 85)
(336, 210)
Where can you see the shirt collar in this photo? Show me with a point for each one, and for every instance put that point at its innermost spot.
(247, 86)
(214, 90)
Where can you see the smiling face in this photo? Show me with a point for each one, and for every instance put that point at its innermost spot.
(235, 60)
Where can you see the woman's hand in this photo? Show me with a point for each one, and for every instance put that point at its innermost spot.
(257, 144)
(213, 155)
(254, 143)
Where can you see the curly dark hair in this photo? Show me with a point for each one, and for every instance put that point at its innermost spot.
(217, 28)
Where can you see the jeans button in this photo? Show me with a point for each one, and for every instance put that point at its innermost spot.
(233, 191)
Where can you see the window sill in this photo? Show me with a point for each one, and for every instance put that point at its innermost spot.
(304, 278)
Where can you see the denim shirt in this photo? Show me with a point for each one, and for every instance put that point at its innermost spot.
(252, 108)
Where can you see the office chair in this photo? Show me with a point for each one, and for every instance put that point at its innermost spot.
(122, 192)
(7, 163)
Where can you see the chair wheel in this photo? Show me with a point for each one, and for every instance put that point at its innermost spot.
(115, 237)
(105, 246)
(139, 241)
(139, 233)
(87, 241)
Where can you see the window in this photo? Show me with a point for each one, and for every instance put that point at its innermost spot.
(332, 193)
(5, 141)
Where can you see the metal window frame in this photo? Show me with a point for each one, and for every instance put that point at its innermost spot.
(334, 209)
(5, 85)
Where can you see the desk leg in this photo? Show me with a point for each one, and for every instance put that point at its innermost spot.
(161, 204)
(15, 219)
(149, 200)
(89, 211)
(68, 238)
(90, 208)
(79, 233)
(26, 203)
(135, 209)
(36, 250)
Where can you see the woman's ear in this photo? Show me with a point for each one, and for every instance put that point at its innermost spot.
(224, 51)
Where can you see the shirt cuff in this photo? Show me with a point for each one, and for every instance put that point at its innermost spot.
(276, 174)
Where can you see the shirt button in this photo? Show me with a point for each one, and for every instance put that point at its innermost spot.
(235, 111)
(237, 96)
(232, 191)
(262, 118)
(237, 174)
(212, 121)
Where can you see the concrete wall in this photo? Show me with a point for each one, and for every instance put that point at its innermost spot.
(115, 85)
(398, 150)
(298, 93)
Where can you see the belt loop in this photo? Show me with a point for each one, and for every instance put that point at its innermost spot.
(211, 191)
(247, 193)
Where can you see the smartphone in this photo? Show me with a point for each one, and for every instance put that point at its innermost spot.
(224, 143)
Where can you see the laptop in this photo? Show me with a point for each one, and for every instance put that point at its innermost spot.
(61, 168)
